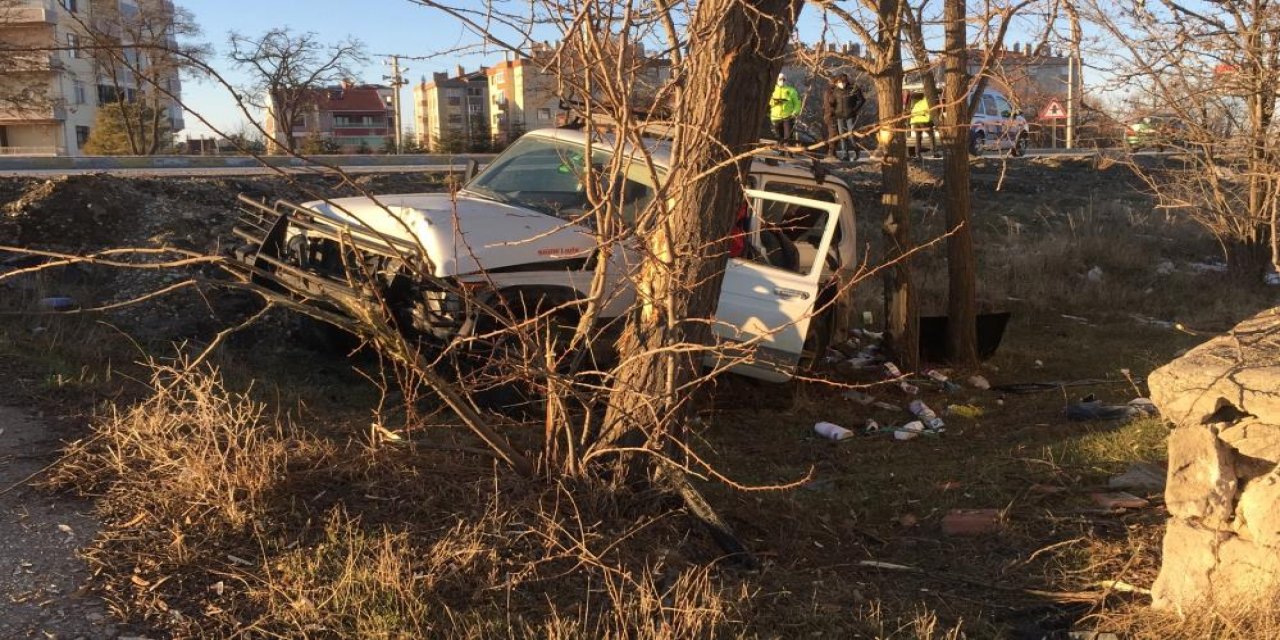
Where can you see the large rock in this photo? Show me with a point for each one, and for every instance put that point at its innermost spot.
(1258, 513)
(1254, 439)
(1202, 480)
(1242, 367)
(1222, 545)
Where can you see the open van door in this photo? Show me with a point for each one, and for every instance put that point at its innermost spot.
(768, 296)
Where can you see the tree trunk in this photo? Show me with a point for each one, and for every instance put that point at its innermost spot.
(736, 49)
(962, 333)
(903, 320)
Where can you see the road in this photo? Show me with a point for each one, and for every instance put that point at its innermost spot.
(219, 172)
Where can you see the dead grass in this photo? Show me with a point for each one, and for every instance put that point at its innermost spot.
(223, 518)
(191, 450)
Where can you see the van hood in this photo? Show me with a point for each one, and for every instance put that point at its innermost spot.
(465, 234)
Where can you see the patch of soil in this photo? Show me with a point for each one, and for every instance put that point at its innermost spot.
(43, 581)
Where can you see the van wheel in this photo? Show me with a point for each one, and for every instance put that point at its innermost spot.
(816, 343)
(976, 142)
(1019, 147)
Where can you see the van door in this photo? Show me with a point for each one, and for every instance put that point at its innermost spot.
(768, 297)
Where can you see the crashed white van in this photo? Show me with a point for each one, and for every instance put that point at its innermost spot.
(518, 231)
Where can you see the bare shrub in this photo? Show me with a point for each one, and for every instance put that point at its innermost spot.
(192, 448)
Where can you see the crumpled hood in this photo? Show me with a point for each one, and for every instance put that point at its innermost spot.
(476, 234)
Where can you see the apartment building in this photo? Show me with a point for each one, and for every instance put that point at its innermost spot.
(452, 114)
(522, 95)
(49, 98)
(348, 118)
(1031, 76)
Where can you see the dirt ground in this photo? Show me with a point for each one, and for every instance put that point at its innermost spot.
(1101, 288)
(44, 585)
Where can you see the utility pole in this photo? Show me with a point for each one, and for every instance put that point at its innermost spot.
(397, 81)
(1074, 72)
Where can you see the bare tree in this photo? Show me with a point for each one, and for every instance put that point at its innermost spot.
(1211, 73)
(287, 68)
(883, 63)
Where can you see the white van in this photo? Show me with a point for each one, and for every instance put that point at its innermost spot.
(517, 232)
(995, 125)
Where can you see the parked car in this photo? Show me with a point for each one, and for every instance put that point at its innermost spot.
(995, 125)
(1155, 132)
(516, 237)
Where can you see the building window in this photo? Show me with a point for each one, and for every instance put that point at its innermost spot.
(82, 136)
(473, 91)
(107, 94)
(70, 5)
(73, 43)
(544, 115)
(455, 118)
(79, 92)
(454, 101)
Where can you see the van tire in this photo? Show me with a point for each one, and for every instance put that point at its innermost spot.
(1019, 146)
(976, 141)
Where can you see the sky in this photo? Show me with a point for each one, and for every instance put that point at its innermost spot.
(385, 26)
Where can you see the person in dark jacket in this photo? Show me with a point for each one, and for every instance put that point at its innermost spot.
(844, 100)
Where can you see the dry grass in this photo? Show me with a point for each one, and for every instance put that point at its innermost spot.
(191, 450)
(223, 518)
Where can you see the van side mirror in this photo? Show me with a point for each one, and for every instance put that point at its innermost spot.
(470, 171)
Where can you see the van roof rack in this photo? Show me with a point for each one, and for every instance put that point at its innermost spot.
(773, 155)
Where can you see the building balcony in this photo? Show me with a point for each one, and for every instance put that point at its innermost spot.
(14, 16)
(52, 114)
(37, 62)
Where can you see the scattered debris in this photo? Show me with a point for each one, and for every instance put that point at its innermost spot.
(1117, 500)
(1039, 363)
(880, 404)
(1142, 476)
(971, 522)
(972, 412)
(1045, 489)
(931, 420)
(1076, 318)
(858, 397)
(1091, 635)
(57, 303)
(1122, 587)
(942, 379)
(908, 520)
(894, 373)
(909, 430)
(1090, 408)
(1208, 267)
(1095, 274)
(979, 382)
(870, 427)
(1272, 278)
(1163, 324)
(1166, 267)
(831, 431)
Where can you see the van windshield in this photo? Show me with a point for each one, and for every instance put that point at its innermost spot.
(549, 176)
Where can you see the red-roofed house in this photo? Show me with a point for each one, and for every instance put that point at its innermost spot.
(352, 117)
